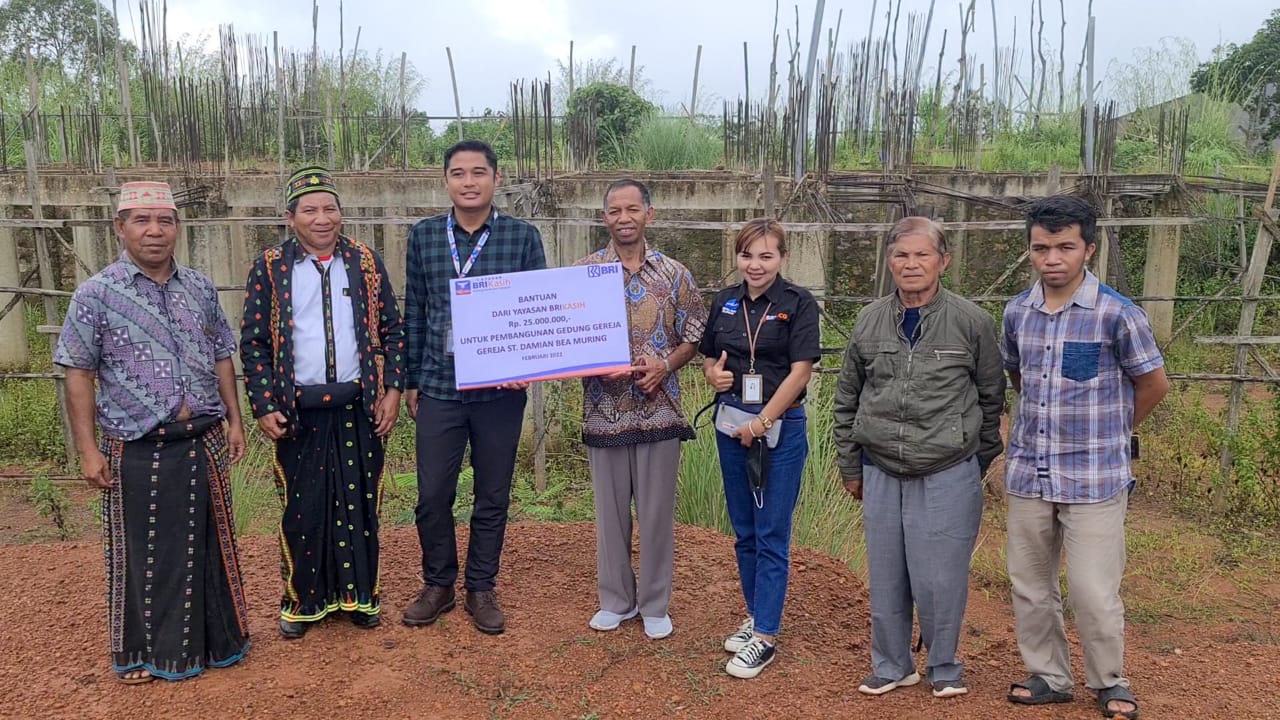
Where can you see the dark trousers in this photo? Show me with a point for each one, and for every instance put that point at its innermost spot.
(444, 429)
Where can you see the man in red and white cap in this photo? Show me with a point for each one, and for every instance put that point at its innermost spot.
(153, 336)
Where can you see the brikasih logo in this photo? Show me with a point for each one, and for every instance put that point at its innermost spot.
(466, 287)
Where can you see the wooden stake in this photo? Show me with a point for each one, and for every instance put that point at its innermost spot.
(404, 114)
(275, 43)
(1091, 108)
(457, 104)
(47, 282)
(631, 77)
(693, 99)
(1248, 312)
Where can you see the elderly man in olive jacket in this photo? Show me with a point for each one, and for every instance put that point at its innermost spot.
(917, 423)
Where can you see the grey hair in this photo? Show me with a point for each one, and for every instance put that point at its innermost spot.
(918, 225)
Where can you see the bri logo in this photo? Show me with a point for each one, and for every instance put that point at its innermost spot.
(730, 307)
(595, 271)
(463, 287)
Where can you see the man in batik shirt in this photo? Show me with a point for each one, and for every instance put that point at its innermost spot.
(632, 422)
(151, 333)
(323, 352)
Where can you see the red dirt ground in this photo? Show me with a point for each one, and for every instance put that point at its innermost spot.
(550, 665)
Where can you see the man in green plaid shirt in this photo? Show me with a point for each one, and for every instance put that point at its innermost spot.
(472, 240)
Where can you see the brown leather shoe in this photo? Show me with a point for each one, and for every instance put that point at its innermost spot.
(432, 602)
(484, 610)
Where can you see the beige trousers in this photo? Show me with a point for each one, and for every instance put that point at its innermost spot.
(1092, 534)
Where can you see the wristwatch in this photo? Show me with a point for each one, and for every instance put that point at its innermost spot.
(765, 421)
(666, 364)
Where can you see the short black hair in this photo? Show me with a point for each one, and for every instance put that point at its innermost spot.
(472, 146)
(291, 207)
(628, 183)
(1057, 212)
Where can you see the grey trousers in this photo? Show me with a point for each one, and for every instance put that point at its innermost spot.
(920, 536)
(647, 473)
(1093, 536)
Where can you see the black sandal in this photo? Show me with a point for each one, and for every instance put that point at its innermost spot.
(1122, 694)
(1041, 693)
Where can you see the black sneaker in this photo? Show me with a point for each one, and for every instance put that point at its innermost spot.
(874, 685)
(751, 659)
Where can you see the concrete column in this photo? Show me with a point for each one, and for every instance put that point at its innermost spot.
(239, 259)
(95, 246)
(395, 245)
(13, 330)
(210, 253)
(565, 244)
(807, 261)
(186, 238)
(958, 242)
(728, 256)
(1160, 277)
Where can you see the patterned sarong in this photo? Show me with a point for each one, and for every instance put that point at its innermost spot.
(174, 589)
(329, 478)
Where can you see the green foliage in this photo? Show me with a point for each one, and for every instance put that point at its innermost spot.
(68, 34)
(30, 430)
(53, 504)
(595, 70)
(254, 498)
(1182, 455)
(664, 144)
(1247, 74)
(1032, 147)
(617, 111)
(494, 129)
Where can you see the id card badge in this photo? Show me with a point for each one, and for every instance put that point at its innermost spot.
(753, 389)
(448, 339)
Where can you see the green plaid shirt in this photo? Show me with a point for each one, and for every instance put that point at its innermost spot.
(513, 246)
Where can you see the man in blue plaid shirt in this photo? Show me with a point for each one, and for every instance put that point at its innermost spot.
(1083, 358)
(472, 240)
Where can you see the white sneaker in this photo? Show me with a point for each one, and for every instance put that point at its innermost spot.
(605, 621)
(751, 659)
(739, 639)
(658, 628)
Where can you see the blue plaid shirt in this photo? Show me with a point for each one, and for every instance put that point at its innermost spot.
(513, 246)
(1070, 440)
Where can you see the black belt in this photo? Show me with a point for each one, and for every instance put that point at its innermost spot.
(311, 397)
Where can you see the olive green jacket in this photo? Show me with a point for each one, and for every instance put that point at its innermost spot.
(915, 411)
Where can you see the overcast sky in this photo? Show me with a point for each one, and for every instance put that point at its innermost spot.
(497, 41)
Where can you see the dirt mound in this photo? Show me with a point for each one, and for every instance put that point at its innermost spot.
(549, 664)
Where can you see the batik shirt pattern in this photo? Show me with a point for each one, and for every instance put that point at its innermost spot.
(153, 346)
(664, 310)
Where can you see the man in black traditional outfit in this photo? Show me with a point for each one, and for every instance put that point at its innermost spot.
(323, 352)
(153, 336)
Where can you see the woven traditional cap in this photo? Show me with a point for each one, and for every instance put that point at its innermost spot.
(312, 178)
(155, 195)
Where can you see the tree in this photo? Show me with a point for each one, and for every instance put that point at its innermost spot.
(1248, 74)
(592, 71)
(617, 112)
(71, 34)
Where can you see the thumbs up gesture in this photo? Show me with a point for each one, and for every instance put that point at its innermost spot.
(717, 377)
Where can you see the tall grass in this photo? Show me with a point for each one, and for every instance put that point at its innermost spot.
(30, 430)
(826, 518)
(253, 490)
(664, 144)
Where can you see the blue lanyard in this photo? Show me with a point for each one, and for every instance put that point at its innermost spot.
(462, 270)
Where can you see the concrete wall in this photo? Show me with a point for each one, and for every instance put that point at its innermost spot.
(825, 262)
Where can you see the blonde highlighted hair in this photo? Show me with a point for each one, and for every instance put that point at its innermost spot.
(758, 228)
